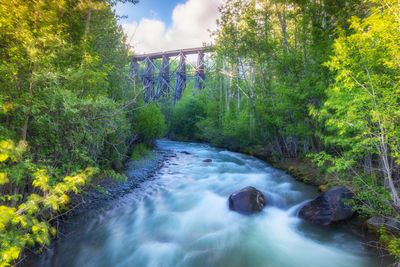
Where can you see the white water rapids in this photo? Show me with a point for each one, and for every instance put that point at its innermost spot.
(181, 218)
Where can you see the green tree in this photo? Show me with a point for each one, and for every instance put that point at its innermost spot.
(149, 123)
(361, 113)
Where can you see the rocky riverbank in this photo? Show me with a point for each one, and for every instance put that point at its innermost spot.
(304, 171)
(101, 197)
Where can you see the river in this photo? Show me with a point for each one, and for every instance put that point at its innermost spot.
(181, 218)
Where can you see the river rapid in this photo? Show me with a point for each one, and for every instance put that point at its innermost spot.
(180, 217)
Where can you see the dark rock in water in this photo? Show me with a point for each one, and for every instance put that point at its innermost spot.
(207, 160)
(247, 200)
(329, 207)
(186, 153)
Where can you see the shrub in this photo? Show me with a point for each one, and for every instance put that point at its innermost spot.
(139, 151)
(149, 123)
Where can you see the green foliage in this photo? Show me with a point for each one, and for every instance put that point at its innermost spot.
(316, 78)
(140, 151)
(187, 113)
(65, 91)
(149, 122)
(267, 74)
(361, 114)
(372, 199)
(391, 242)
(28, 224)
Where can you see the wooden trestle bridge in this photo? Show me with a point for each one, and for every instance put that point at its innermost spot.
(157, 79)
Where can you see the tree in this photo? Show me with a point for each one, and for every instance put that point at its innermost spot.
(149, 123)
(361, 112)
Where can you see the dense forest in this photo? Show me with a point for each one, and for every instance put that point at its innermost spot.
(310, 80)
(315, 80)
(69, 114)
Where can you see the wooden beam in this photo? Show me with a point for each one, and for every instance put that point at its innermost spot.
(180, 83)
(164, 74)
(135, 70)
(173, 53)
(148, 80)
(200, 75)
(156, 80)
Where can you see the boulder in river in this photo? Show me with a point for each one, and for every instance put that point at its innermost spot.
(247, 200)
(329, 207)
(207, 160)
(186, 153)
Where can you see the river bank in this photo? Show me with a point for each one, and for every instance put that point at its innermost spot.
(303, 170)
(140, 174)
(100, 197)
(181, 218)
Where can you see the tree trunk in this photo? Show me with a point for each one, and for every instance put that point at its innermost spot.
(252, 103)
(387, 168)
(87, 25)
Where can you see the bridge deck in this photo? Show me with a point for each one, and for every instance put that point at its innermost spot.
(173, 53)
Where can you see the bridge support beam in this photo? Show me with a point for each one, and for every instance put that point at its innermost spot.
(164, 77)
(156, 80)
(180, 83)
(134, 67)
(200, 75)
(148, 80)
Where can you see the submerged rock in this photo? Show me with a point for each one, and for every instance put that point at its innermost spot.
(329, 207)
(207, 160)
(247, 200)
(186, 153)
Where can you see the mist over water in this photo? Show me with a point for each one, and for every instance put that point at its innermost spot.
(181, 218)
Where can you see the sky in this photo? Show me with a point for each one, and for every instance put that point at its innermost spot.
(163, 25)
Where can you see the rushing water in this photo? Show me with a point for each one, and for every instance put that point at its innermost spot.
(181, 218)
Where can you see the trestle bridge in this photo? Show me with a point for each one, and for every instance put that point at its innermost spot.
(159, 80)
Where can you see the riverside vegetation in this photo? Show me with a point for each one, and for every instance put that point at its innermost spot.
(315, 83)
(69, 114)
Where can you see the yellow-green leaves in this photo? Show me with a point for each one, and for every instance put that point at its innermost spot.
(4, 106)
(6, 215)
(28, 224)
(9, 255)
(41, 180)
(5, 149)
(8, 150)
(3, 178)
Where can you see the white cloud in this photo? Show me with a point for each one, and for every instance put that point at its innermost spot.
(190, 24)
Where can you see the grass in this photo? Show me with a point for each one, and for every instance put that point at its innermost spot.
(140, 151)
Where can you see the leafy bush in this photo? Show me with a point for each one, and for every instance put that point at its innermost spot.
(187, 113)
(29, 223)
(236, 129)
(149, 123)
(139, 151)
